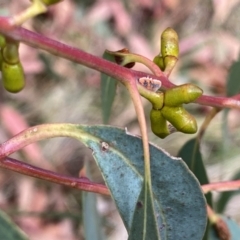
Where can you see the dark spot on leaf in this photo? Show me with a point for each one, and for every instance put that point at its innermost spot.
(168, 209)
(162, 227)
(139, 204)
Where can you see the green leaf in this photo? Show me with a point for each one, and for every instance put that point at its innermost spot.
(108, 90)
(179, 203)
(191, 155)
(9, 230)
(233, 83)
(138, 230)
(224, 197)
(91, 218)
(208, 232)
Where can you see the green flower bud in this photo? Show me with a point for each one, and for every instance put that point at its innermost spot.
(1, 60)
(168, 56)
(158, 124)
(169, 63)
(180, 119)
(169, 43)
(156, 98)
(13, 77)
(185, 93)
(2, 41)
(159, 61)
(10, 53)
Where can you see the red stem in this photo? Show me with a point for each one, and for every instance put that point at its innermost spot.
(118, 72)
(85, 184)
(79, 183)
(221, 186)
(76, 55)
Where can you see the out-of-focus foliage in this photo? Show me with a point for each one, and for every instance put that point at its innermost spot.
(8, 230)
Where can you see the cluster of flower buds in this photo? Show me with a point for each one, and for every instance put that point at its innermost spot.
(167, 107)
(172, 111)
(10, 65)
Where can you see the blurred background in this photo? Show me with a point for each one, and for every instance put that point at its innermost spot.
(59, 91)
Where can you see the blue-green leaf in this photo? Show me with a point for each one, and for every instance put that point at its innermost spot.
(108, 91)
(150, 230)
(178, 210)
(191, 155)
(9, 230)
(180, 206)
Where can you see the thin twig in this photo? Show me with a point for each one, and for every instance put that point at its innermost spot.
(80, 183)
(221, 186)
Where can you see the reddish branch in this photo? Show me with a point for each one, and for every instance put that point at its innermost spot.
(221, 186)
(80, 183)
(120, 73)
(76, 55)
(85, 184)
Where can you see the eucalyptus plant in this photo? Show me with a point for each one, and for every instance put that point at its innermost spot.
(158, 196)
